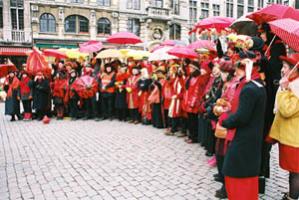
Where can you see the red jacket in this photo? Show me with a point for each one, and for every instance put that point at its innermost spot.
(175, 107)
(167, 93)
(194, 93)
(132, 92)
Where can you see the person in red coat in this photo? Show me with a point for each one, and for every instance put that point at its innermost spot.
(25, 94)
(132, 94)
(195, 86)
(120, 94)
(60, 89)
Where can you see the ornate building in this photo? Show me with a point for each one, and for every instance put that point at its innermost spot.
(65, 23)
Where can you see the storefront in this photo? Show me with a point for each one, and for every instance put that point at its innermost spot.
(17, 55)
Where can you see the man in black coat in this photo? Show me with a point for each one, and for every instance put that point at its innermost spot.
(41, 95)
(242, 162)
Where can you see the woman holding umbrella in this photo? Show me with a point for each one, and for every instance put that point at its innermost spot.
(285, 126)
(12, 102)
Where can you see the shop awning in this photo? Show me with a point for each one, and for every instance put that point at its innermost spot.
(55, 46)
(13, 51)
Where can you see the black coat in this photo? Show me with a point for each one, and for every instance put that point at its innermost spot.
(243, 158)
(41, 94)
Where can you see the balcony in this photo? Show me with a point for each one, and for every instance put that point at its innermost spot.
(158, 13)
(18, 36)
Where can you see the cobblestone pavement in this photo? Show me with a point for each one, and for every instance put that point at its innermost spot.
(106, 160)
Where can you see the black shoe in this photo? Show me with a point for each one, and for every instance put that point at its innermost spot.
(13, 119)
(218, 179)
(216, 175)
(85, 118)
(20, 117)
(221, 193)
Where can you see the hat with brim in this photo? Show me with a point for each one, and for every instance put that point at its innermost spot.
(293, 59)
(194, 65)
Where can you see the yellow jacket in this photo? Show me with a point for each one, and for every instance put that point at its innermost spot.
(285, 128)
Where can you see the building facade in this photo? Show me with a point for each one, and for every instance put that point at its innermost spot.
(15, 30)
(65, 23)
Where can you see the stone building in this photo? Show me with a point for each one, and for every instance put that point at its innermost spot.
(15, 30)
(65, 23)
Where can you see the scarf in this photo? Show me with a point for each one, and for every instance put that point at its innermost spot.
(24, 86)
(14, 84)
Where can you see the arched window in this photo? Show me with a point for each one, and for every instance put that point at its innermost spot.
(175, 32)
(47, 23)
(76, 24)
(104, 26)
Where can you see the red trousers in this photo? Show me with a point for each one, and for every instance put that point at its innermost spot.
(242, 188)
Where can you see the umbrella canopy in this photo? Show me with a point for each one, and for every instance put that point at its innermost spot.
(162, 54)
(137, 54)
(73, 53)
(6, 68)
(202, 44)
(36, 62)
(183, 52)
(172, 43)
(124, 38)
(90, 46)
(244, 26)
(110, 53)
(216, 22)
(85, 86)
(274, 12)
(54, 53)
(288, 31)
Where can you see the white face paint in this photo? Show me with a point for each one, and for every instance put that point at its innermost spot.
(108, 69)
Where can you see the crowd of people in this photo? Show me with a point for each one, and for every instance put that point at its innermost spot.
(225, 100)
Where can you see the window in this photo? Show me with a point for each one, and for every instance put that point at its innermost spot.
(104, 26)
(76, 1)
(204, 10)
(17, 14)
(240, 8)
(134, 26)
(157, 3)
(279, 1)
(103, 2)
(193, 11)
(229, 8)
(286, 2)
(47, 23)
(175, 32)
(133, 4)
(270, 1)
(216, 10)
(175, 6)
(76, 24)
(260, 4)
(1, 13)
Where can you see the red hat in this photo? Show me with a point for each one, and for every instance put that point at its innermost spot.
(293, 59)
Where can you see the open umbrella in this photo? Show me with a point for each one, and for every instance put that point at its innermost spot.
(288, 31)
(202, 44)
(36, 62)
(54, 53)
(85, 86)
(183, 52)
(274, 12)
(110, 53)
(216, 22)
(124, 38)
(137, 54)
(162, 54)
(73, 53)
(244, 26)
(6, 68)
(90, 46)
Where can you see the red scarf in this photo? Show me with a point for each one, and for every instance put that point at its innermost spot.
(13, 86)
(25, 89)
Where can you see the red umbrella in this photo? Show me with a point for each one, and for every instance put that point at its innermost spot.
(183, 52)
(274, 12)
(54, 53)
(86, 86)
(90, 46)
(202, 44)
(288, 31)
(36, 62)
(216, 22)
(124, 38)
(6, 68)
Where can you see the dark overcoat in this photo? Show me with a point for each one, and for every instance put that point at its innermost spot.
(243, 158)
(41, 94)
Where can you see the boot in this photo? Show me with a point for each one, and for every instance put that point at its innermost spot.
(13, 118)
(221, 193)
(26, 117)
(287, 197)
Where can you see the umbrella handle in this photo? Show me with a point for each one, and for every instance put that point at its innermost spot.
(294, 69)
(270, 45)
